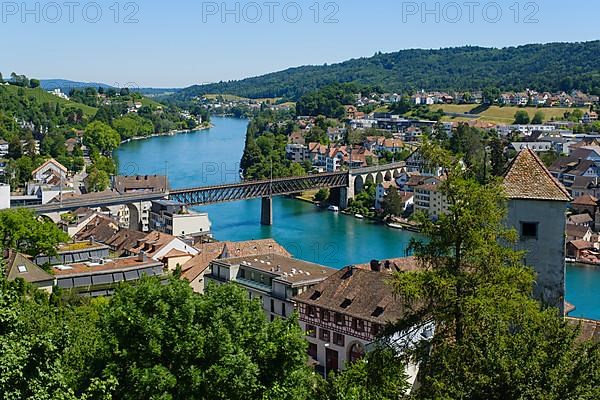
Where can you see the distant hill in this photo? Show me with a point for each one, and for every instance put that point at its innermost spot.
(551, 67)
(66, 85)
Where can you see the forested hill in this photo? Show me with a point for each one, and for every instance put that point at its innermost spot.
(549, 67)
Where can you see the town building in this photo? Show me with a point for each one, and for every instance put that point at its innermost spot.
(297, 152)
(535, 146)
(429, 198)
(382, 191)
(69, 253)
(20, 266)
(271, 278)
(140, 184)
(4, 196)
(536, 209)
(175, 219)
(3, 148)
(100, 277)
(197, 267)
(157, 245)
(343, 315)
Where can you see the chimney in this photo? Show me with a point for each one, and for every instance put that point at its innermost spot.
(142, 257)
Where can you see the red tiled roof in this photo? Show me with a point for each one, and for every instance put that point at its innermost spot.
(585, 200)
(527, 178)
(581, 244)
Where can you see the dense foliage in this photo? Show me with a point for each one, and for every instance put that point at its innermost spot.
(22, 230)
(162, 341)
(264, 152)
(329, 101)
(552, 67)
(492, 340)
(105, 117)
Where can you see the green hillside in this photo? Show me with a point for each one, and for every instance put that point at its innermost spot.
(43, 96)
(551, 67)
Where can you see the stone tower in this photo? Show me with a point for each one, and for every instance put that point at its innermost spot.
(536, 209)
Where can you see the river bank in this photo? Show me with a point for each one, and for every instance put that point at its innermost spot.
(308, 232)
(170, 133)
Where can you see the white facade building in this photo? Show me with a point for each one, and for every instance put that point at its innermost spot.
(272, 278)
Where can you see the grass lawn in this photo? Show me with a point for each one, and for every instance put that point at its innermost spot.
(453, 108)
(503, 115)
(44, 97)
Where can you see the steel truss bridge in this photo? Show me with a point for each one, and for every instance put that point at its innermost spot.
(258, 189)
(209, 194)
(341, 182)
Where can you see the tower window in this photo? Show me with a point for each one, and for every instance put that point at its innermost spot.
(529, 230)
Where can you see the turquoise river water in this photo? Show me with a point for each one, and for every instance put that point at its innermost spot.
(212, 157)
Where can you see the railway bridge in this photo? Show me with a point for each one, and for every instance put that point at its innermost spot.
(345, 185)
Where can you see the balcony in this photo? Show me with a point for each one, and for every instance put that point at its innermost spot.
(254, 285)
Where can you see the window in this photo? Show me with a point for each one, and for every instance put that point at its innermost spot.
(324, 335)
(272, 305)
(529, 230)
(357, 351)
(339, 319)
(346, 303)
(312, 350)
(312, 312)
(311, 331)
(358, 325)
(325, 315)
(283, 309)
(338, 339)
(242, 273)
(376, 329)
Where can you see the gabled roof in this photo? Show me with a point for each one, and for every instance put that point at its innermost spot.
(527, 178)
(585, 200)
(581, 244)
(209, 252)
(19, 266)
(357, 292)
(48, 162)
(580, 219)
(174, 253)
(577, 231)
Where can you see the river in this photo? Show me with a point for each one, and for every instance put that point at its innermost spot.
(212, 157)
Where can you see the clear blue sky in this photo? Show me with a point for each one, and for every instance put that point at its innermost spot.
(182, 42)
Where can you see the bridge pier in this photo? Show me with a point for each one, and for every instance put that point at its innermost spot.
(266, 211)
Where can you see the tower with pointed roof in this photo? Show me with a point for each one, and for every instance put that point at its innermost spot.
(536, 209)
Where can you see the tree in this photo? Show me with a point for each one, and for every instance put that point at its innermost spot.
(392, 202)
(380, 375)
(538, 118)
(167, 342)
(97, 180)
(34, 83)
(521, 117)
(22, 230)
(492, 339)
(576, 115)
(321, 195)
(15, 149)
(131, 126)
(101, 137)
(498, 158)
